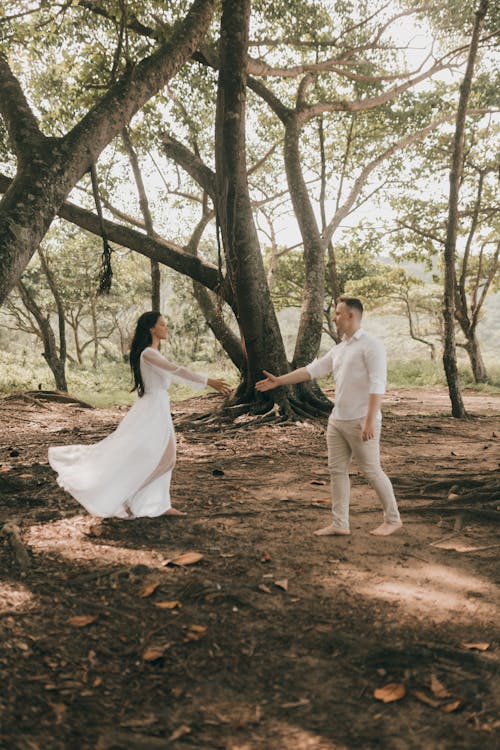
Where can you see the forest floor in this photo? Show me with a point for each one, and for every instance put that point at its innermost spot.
(274, 639)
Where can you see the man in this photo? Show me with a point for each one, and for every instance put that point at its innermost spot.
(359, 369)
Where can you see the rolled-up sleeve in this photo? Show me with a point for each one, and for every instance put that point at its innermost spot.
(321, 367)
(376, 363)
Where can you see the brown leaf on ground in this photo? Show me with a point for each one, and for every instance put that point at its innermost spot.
(198, 628)
(81, 621)
(296, 704)
(265, 557)
(195, 632)
(393, 691)
(282, 584)
(187, 558)
(427, 699)
(155, 652)
(145, 721)
(438, 689)
(264, 588)
(476, 646)
(179, 732)
(168, 605)
(148, 589)
(59, 710)
(449, 707)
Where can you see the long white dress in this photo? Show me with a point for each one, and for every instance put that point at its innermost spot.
(128, 473)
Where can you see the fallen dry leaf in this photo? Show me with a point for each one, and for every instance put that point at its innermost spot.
(198, 628)
(282, 584)
(264, 588)
(296, 704)
(145, 721)
(265, 557)
(24, 476)
(317, 482)
(97, 681)
(168, 605)
(194, 632)
(59, 711)
(149, 589)
(80, 621)
(155, 652)
(449, 707)
(476, 646)
(393, 691)
(187, 558)
(424, 698)
(179, 732)
(438, 689)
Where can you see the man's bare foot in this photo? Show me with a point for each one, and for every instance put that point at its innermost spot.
(332, 530)
(386, 529)
(173, 512)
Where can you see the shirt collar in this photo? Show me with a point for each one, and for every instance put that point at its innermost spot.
(357, 335)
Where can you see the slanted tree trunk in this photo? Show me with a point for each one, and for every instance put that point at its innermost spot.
(146, 215)
(449, 352)
(56, 359)
(476, 359)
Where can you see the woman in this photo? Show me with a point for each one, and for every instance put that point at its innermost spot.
(127, 475)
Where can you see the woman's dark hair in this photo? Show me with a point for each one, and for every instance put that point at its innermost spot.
(142, 339)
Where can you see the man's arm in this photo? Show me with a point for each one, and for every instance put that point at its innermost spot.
(374, 403)
(273, 381)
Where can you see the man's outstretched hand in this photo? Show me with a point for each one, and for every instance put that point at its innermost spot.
(270, 382)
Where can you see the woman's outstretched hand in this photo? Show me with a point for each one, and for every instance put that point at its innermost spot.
(220, 385)
(270, 382)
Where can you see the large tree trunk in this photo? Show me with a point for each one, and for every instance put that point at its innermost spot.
(245, 269)
(449, 352)
(48, 168)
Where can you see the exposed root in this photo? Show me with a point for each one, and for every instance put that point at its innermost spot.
(38, 397)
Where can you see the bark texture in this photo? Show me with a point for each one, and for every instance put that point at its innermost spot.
(449, 351)
(245, 270)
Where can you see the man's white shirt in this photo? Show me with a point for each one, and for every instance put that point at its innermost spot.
(359, 367)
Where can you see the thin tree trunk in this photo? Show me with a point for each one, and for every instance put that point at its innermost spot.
(56, 364)
(449, 351)
(146, 214)
(476, 359)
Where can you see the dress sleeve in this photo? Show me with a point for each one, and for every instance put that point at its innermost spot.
(320, 367)
(155, 359)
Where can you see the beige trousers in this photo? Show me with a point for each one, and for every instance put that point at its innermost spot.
(344, 441)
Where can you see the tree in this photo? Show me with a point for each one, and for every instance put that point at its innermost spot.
(48, 167)
(449, 354)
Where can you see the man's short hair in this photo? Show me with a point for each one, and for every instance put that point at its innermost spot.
(352, 302)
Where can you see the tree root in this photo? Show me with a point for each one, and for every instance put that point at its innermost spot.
(38, 397)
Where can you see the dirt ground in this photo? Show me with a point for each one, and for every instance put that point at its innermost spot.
(274, 639)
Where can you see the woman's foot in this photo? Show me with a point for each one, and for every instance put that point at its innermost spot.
(173, 512)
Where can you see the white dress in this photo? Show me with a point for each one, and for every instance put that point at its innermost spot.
(128, 473)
